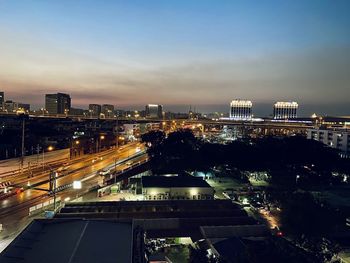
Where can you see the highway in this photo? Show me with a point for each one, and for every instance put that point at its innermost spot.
(14, 210)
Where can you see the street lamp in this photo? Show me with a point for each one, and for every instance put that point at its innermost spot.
(49, 149)
(297, 178)
(115, 169)
(102, 137)
(77, 185)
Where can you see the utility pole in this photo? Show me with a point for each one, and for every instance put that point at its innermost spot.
(23, 153)
(117, 144)
(115, 170)
(53, 187)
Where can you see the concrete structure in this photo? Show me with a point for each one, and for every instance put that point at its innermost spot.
(94, 110)
(59, 103)
(108, 110)
(241, 110)
(285, 110)
(154, 111)
(176, 187)
(335, 138)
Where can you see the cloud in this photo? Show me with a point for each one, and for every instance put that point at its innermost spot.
(31, 69)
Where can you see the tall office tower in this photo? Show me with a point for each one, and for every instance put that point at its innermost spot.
(241, 110)
(2, 100)
(285, 110)
(94, 110)
(108, 110)
(59, 103)
(154, 111)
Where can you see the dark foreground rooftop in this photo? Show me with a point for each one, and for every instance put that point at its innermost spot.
(72, 240)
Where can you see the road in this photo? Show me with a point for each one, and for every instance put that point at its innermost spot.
(12, 166)
(14, 211)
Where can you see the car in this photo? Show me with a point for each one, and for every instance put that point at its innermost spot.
(63, 168)
(105, 172)
(128, 163)
(96, 159)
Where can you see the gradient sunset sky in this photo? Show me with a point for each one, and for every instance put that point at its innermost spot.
(178, 53)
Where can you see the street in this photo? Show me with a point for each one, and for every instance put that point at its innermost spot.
(14, 210)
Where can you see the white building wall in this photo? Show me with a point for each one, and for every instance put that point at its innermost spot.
(190, 193)
(337, 139)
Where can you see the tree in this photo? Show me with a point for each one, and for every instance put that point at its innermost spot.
(198, 255)
(153, 138)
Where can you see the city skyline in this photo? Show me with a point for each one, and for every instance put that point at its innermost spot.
(259, 109)
(178, 54)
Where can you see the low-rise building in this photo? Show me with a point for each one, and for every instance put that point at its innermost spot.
(176, 187)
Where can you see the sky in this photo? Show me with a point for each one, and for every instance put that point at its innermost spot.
(202, 53)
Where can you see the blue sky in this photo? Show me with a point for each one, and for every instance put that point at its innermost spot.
(177, 52)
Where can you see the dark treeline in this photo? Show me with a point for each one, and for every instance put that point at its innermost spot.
(181, 150)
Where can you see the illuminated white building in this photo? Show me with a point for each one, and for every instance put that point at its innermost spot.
(176, 188)
(241, 110)
(335, 138)
(285, 110)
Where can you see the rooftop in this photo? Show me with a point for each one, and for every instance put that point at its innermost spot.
(71, 240)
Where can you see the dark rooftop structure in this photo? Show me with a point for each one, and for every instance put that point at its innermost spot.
(173, 181)
(170, 218)
(72, 240)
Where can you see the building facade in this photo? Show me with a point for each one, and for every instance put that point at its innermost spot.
(154, 111)
(176, 188)
(285, 110)
(58, 103)
(335, 138)
(108, 110)
(241, 110)
(94, 110)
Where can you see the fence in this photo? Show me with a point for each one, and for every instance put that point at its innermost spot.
(40, 207)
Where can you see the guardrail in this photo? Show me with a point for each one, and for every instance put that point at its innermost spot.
(40, 207)
(66, 186)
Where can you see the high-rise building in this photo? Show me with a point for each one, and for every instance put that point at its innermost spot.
(285, 110)
(59, 103)
(2, 100)
(94, 110)
(241, 109)
(154, 111)
(108, 110)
